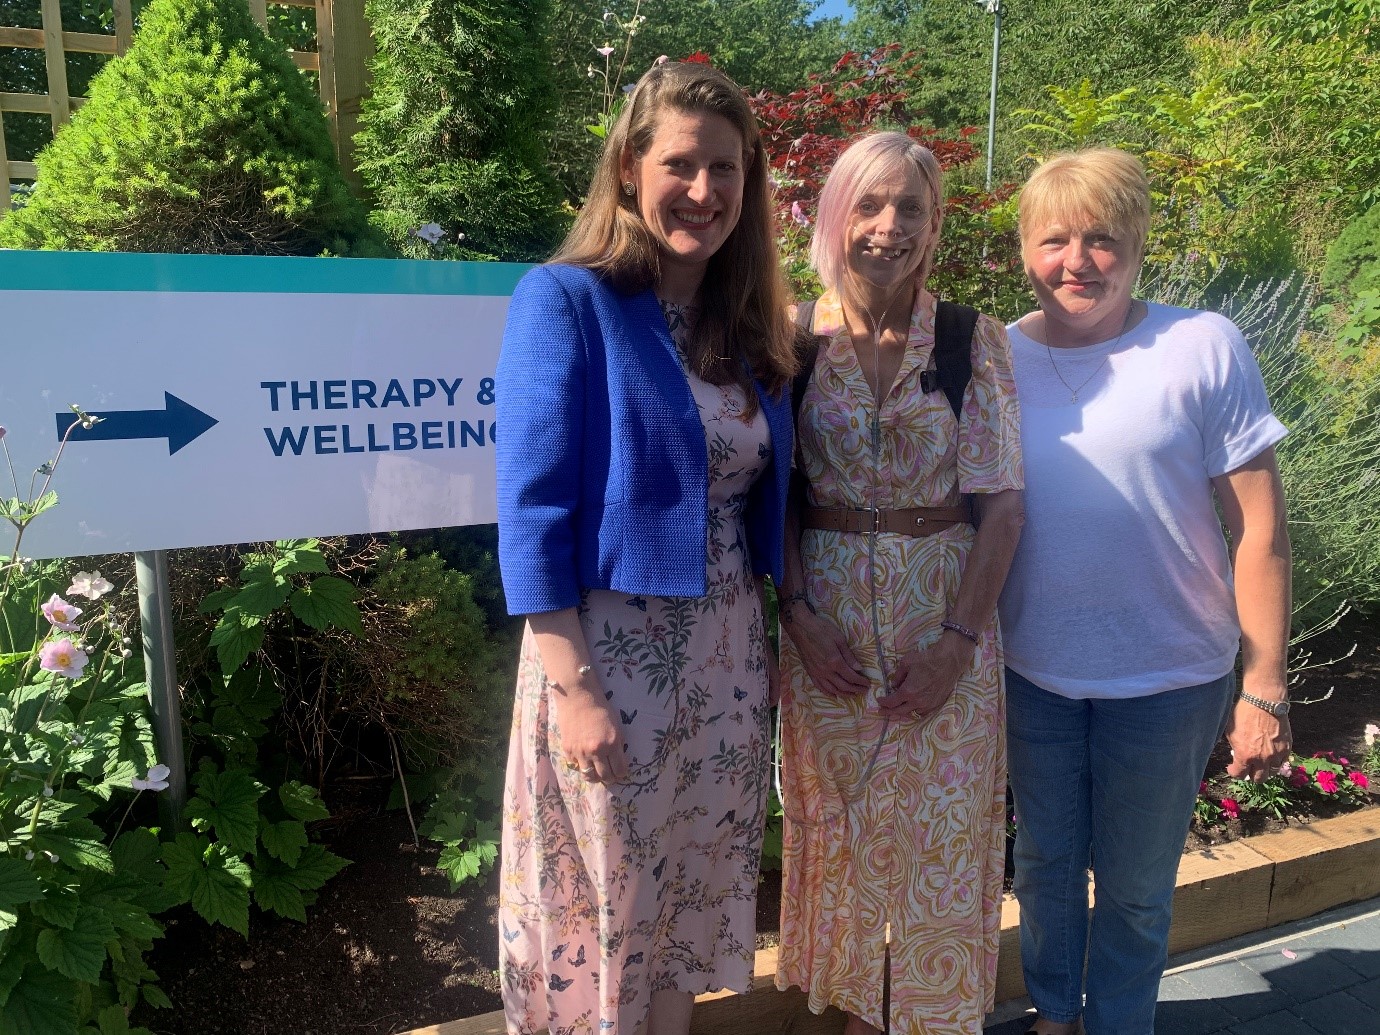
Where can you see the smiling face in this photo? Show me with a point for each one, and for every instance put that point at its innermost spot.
(689, 187)
(1083, 278)
(890, 230)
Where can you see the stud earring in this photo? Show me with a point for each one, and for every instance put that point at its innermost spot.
(629, 189)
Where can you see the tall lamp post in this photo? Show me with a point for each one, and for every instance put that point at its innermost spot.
(994, 8)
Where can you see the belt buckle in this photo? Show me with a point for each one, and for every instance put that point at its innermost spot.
(876, 520)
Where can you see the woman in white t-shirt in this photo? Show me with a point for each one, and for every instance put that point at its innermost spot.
(1125, 608)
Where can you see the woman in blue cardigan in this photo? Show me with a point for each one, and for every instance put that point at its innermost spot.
(642, 472)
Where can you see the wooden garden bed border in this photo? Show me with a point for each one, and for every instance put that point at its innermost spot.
(1224, 891)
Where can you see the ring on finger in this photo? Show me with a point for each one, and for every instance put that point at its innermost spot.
(590, 771)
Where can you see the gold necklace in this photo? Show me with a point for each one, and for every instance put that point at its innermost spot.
(1073, 392)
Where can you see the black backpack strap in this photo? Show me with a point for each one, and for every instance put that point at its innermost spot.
(953, 350)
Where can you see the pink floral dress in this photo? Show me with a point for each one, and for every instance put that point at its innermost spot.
(611, 892)
(894, 833)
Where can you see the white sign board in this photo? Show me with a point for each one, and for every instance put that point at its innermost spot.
(249, 399)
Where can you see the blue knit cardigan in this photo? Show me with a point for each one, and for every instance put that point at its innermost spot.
(603, 471)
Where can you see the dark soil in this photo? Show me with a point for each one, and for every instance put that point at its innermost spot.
(389, 948)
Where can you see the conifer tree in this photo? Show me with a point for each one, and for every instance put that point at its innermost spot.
(456, 130)
(202, 138)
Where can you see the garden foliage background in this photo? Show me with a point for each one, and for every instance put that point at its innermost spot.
(306, 661)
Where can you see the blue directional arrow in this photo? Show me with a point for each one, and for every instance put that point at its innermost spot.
(178, 422)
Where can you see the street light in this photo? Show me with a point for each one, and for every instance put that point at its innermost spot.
(992, 7)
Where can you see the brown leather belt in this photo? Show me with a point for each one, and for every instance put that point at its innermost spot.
(909, 521)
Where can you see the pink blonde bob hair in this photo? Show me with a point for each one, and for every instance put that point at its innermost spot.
(865, 163)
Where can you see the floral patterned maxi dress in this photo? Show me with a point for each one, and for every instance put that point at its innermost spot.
(611, 892)
(896, 828)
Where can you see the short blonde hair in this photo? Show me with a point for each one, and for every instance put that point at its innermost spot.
(865, 163)
(1101, 187)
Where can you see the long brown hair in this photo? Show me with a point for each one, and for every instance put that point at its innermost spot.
(742, 328)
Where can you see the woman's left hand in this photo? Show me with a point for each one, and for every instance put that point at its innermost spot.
(1260, 742)
(925, 679)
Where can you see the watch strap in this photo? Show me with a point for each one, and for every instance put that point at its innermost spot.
(1275, 708)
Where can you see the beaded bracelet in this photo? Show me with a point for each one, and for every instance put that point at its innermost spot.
(962, 630)
(784, 604)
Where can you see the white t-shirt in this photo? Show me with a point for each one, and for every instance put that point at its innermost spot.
(1121, 585)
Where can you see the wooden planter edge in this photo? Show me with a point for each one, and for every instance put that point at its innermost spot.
(1222, 892)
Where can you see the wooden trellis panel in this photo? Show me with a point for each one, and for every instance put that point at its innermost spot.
(343, 49)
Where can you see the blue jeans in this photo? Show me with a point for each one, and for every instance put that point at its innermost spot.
(1108, 784)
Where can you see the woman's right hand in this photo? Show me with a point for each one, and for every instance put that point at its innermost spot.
(591, 740)
(824, 652)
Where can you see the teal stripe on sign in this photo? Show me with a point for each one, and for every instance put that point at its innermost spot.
(125, 271)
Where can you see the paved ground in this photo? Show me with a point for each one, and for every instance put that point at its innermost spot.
(1319, 976)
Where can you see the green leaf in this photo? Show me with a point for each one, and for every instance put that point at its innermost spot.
(315, 868)
(78, 852)
(486, 841)
(183, 856)
(45, 502)
(12, 968)
(42, 1003)
(274, 890)
(78, 953)
(458, 864)
(300, 556)
(60, 906)
(155, 997)
(113, 1020)
(133, 921)
(12, 671)
(328, 601)
(302, 802)
(18, 884)
(251, 690)
(217, 600)
(229, 803)
(28, 702)
(264, 595)
(119, 774)
(216, 882)
(222, 895)
(284, 840)
(449, 827)
(135, 853)
(235, 637)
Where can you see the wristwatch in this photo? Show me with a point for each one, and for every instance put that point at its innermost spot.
(1275, 708)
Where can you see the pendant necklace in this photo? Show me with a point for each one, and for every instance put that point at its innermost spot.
(1073, 392)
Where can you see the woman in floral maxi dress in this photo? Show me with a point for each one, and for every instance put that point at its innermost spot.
(893, 777)
(643, 468)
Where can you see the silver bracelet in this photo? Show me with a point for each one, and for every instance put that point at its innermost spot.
(962, 630)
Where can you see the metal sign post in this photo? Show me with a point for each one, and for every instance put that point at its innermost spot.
(160, 668)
